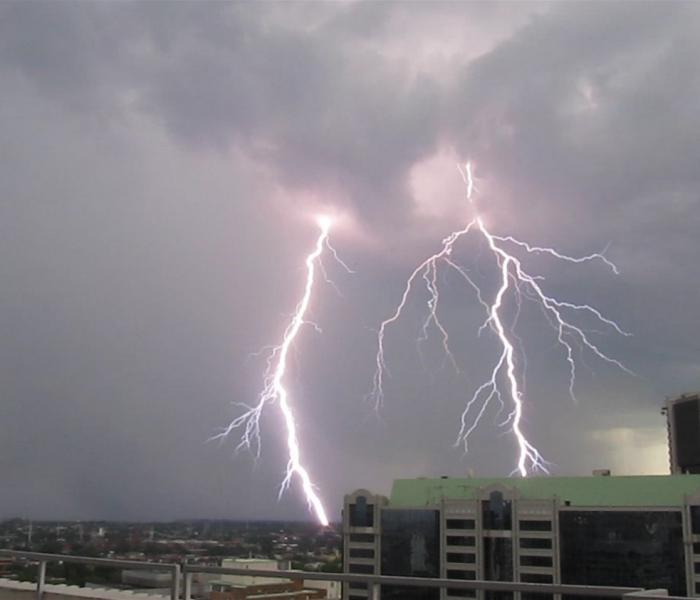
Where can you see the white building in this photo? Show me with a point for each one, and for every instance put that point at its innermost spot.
(227, 582)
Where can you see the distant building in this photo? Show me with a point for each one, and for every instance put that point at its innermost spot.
(244, 587)
(683, 419)
(638, 531)
(259, 564)
(332, 589)
(146, 579)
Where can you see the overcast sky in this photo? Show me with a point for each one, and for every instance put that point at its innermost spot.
(160, 169)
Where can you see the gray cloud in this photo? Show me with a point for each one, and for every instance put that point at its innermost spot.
(156, 165)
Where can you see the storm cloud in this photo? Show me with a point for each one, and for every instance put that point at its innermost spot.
(160, 165)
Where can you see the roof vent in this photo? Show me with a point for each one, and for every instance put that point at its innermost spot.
(601, 473)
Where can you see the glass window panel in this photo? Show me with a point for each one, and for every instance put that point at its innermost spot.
(354, 585)
(410, 547)
(460, 524)
(460, 540)
(362, 538)
(466, 575)
(498, 595)
(362, 569)
(361, 513)
(497, 512)
(695, 519)
(461, 593)
(397, 592)
(686, 417)
(536, 543)
(623, 548)
(498, 559)
(458, 557)
(536, 561)
(535, 526)
(535, 578)
(361, 553)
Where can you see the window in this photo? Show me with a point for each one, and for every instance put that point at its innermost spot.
(460, 540)
(466, 575)
(362, 538)
(623, 548)
(696, 548)
(361, 553)
(536, 543)
(460, 524)
(535, 578)
(498, 559)
(410, 543)
(458, 557)
(496, 512)
(356, 585)
(536, 561)
(398, 592)
(362, 569)
(535, 526)
(686, 419)
(361, 513)
(695, 519)
(451, 592)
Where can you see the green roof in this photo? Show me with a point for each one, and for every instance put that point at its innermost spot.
(637, 490)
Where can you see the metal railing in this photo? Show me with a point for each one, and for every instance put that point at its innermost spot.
(43, 559)
(185, 572)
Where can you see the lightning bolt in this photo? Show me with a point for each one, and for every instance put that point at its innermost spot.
(505, 379)
(273, 383)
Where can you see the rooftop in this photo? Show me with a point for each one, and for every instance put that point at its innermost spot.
(72, 591)
(632, 490)
(251, 561)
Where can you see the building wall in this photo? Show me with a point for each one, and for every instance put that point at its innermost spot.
(683, 419)
(333, 589)
(361, 538)
(294, 588)
(262, 564)
(499, 536)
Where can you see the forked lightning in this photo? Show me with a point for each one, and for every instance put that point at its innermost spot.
(275, 390)
(505, 377)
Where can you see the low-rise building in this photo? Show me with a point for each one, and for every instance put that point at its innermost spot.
(255, 587)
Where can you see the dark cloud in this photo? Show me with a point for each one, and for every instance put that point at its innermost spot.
(156, 165)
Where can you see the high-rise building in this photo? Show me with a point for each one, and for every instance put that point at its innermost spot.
(634, 531)
(683, 418)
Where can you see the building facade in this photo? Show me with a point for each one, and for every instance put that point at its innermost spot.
(683, 420)
(290, 589)
(243, 587)
(634, 531)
